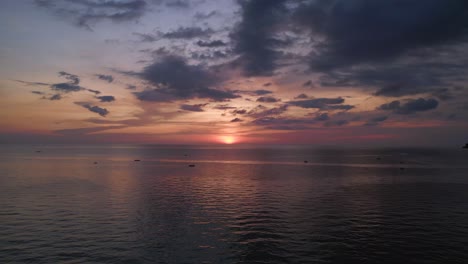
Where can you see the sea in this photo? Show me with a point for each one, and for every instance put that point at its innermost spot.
(232, 204)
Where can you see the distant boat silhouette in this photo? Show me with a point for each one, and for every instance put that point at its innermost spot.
(191, 165)
(137, 160)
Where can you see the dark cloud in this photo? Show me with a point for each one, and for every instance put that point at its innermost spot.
(70, 86)
(261, 92)
(443, 94)
(322, 117)
(281, 123)
(187, 33)
(224, 107)
(301, 96)
(131, 87)
(175, 79)
(376, 120)
(33, 83)
(236, 120)
(38, 92)
(95, 109)
(410, 106)
(267, 99)
(400, 79)
(66, 87)
(261, 111)
(85, 130)
(55, 97)
(357, 31)
(146, 37)
(85, 13)
(93, 91)
(209, 55)
(239, 112)
(253, 36)
(211, 44)
(193, 108)
(254, 92)
(178, 3)
(322, 103)
(267, 84)
(72, 78)
(203, 16)
(308, 84)
(106, 98)
(341, 122)
(107, 78)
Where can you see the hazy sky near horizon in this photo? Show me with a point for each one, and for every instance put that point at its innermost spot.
(353, 72)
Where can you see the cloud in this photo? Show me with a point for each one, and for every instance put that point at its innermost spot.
(301, 96)
(193, 108)
(261, 111)
(32, 83)
(211, 44)
(410, 106)
(254, 92)
(175, 79)
(239, 112)
(178, 3)
(93, 91)
(308, 84)
(224, 107)
(253, 38)
(376, 120)
(95, 109)
(356, 31)
(187, 33)
(85, 13)
(55, 97)
(209, 55)
(236, 120)
(66, 87)
(203, 16)
(267, 99)
(322, 103)
(281, 123)
(146, 37)
(85, 130)
(107, 78)
(38, 92)
(106, 98)
(322, 117)
(341, 122)
(70, 86)
(72, 78)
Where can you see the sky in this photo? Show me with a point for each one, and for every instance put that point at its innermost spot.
(315, 72)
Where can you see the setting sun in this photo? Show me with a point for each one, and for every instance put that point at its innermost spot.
(228, 139)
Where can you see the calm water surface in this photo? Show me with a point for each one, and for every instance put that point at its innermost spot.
(238, 205)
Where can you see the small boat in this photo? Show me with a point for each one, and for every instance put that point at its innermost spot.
(191, 165)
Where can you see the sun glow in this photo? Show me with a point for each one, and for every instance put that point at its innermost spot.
(228, 139)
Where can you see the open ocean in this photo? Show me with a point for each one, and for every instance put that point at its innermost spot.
(237, 205)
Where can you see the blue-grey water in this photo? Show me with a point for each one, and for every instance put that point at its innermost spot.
(95, 204)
